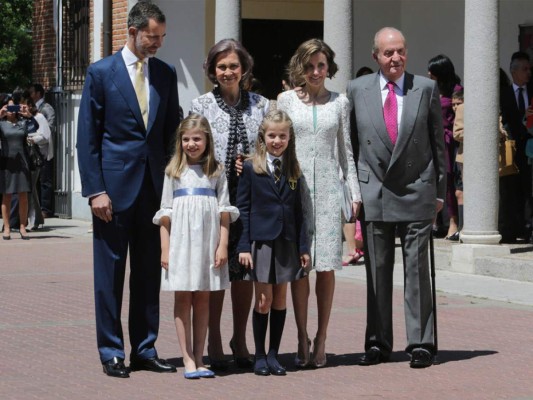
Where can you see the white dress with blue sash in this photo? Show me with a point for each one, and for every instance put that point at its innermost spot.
(194, 203)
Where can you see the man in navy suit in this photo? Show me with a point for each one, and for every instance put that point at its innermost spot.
(515, 190)
(124, 143)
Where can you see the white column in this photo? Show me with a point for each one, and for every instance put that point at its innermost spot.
(338, 34)
(481, 123)
(227, 20)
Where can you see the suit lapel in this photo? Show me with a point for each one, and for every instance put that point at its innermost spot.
(155, 87)
(121, 79)
(373, 101)
(411, 104)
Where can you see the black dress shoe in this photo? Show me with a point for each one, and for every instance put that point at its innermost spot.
(275, 367)
(261, 367)
(241, 362)
(153, 364)
(115, 368)
(454, 237)
(373, 356)
(218, 365)
(421, 358)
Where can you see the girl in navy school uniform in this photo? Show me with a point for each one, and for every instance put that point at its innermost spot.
(273, 246)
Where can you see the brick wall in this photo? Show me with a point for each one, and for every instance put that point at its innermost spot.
(44, 37)
(120, 24)
(44, 44)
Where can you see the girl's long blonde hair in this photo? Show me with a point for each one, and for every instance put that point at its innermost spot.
(290, 166)
(178, 162)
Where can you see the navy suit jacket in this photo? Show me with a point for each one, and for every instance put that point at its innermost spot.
(267, 212)
(510, 115)
(114, 146)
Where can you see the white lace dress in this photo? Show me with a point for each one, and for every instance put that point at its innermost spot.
(323, 146)
(194, 231)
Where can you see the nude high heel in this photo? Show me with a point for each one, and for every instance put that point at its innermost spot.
(304, 361)
(318, 363)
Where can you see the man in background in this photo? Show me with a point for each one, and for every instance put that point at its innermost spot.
(36, 91)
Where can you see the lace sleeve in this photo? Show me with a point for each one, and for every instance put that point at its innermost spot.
(344, 150)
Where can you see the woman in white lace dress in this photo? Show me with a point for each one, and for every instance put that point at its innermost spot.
(234, 115)
(323, 146)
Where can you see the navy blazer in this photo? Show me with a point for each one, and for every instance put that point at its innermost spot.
(114, 146)
(267, 212)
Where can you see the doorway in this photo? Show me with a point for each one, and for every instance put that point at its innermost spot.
(272, 43)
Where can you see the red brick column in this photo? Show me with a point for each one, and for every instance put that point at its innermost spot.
(44, 43)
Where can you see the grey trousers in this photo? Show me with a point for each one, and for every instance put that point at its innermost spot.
(379, 243)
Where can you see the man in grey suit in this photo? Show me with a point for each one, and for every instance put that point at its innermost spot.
(398, 142)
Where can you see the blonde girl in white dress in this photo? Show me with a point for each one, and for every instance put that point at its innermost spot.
(194, 217)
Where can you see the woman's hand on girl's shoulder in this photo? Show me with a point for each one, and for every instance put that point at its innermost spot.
(239, 162)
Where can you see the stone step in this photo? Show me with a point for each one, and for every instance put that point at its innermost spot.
(514, 261)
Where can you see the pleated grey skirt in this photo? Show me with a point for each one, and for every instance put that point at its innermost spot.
(275, 261)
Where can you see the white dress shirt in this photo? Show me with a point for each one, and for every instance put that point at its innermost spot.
(131, 59)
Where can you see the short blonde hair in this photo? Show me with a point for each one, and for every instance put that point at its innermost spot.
(227, 46)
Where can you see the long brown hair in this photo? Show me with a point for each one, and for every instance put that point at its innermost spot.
(291, 167)
(178, 162)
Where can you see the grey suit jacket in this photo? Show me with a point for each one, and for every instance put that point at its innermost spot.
(398, 183)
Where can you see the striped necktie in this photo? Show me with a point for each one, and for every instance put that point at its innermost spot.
(277, 171)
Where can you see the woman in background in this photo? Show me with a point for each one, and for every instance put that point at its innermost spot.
(441, 69)
(15, 175)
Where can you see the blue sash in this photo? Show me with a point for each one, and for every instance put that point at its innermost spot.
(195, 192)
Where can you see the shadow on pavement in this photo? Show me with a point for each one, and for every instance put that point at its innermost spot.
(445, 356)
(35, 237)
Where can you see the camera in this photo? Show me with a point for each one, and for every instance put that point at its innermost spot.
(13, 108)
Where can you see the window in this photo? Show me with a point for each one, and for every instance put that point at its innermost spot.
(75, 43)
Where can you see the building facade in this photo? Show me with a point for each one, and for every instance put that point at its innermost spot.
(71, 34)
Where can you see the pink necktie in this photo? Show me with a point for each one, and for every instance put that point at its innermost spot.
(390, 113)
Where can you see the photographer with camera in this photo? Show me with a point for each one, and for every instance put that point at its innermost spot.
(15, 174)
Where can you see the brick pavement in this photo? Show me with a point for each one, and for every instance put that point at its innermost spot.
(49, 352)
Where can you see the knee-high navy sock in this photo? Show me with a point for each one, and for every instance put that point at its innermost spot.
(277, 323)
(260, 325)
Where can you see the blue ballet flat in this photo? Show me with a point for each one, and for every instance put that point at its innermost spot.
(206, 373)
(192, 375)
